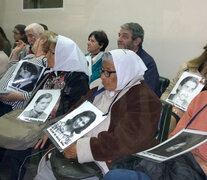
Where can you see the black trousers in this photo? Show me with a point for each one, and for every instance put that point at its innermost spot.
(11, 166)
(4, 108)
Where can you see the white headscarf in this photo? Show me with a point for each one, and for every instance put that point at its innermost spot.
(128, 66)
(69, 57)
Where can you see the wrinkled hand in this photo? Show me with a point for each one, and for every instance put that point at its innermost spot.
(178, 111)
(70, 152)
(41, 142)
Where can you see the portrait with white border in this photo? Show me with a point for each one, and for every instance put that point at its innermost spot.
(25, 77)
(75, 125)
(41, 106)
(186, 88)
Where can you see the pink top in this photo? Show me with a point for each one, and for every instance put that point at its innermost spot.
(199, 122)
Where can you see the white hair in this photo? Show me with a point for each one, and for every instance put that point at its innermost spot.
(36, 28)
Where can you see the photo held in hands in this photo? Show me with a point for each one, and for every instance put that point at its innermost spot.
(25, 77)
(41, 106)
(187, 87)
(75, 125)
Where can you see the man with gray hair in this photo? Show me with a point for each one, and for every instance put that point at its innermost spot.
(33, 32)
(131, 37)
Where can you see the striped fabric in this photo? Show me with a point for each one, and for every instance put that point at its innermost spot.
(7, 76)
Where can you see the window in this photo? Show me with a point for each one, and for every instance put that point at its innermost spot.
(42, 4)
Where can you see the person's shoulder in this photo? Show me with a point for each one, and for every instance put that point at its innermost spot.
(147, 58)
(202, 95)
(28, 56)
(143, 54)
(141, 92)
(3, 57)
(95, 83)
(74, 79)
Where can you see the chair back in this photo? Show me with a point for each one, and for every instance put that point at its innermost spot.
(164, 122)
(163, 83)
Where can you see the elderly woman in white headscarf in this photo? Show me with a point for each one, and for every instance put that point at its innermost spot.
(132, 113)
(68, 72)
(66, 58)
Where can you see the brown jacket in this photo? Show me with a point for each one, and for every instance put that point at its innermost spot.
(134, 121)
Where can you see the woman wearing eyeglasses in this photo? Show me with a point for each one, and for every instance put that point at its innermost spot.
(19, 34)
(132, 112)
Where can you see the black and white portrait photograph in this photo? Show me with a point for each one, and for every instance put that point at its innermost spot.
(182, 142)
(187, 87)
(25, 77)
(75, 125)
(41, 106)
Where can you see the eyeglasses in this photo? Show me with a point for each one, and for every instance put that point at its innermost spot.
(106, 72)
(32, 36)
(50, 52)
(16, 32)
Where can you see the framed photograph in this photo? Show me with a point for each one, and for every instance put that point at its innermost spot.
(182, 142)
(75, 125)
(25, 77)
(187, 87)
(41, 106)
(42, 4)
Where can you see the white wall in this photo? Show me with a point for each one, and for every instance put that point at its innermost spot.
(175, 30)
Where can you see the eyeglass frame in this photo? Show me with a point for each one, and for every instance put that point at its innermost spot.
(16, 33)
(106, 72)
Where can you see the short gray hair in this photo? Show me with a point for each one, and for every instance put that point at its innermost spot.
(137, 31)
(107, 56)
(36, 28)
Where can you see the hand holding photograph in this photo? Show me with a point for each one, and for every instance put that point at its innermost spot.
(25, 77)
(75, 125)
(187, 87)
(41, 106)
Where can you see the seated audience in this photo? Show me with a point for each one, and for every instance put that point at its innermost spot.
(97, 43)
(69, 73)
(131, 37)
(7, 44)
(13, 100)
(19, 34)
(191, 165)
(131, 108)
(196, 66)
(33, 32)
(4, 60)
